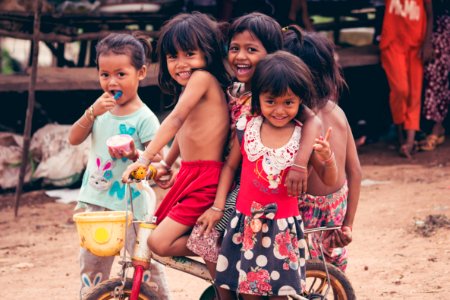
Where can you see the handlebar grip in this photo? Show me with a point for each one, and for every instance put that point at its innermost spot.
(141, 173)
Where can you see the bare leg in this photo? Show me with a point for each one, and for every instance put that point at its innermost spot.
(401, 138)
(225, 294)
(169, 239)
(438, 129)
(408, 148)
(211, 268)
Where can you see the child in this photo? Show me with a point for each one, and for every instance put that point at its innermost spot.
(262, 252)
(191, 67)
(405, 44)
(251, 38)
(329, 205)
(122, 62)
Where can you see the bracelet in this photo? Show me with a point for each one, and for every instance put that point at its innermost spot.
(216, 209)
(165, 165)
(329, 159)
(143, 160)
(297, 169)
(299, 166)
(91, 112)
(86, 114)
(83, 126)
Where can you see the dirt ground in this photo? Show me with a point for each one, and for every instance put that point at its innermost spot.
(401, 247)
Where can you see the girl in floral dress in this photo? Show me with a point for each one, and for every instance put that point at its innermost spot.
(263, 250)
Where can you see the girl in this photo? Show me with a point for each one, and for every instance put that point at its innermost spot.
(122, 62)
(263, 248)
(251, 38)
(191, 67)
(329, 205)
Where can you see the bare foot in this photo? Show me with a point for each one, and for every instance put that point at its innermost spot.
(408, 149)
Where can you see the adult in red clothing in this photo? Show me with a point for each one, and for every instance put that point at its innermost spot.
(405, 45)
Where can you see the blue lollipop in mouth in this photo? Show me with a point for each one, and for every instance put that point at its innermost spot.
(117, 95)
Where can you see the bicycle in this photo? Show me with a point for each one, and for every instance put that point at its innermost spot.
(321, 276)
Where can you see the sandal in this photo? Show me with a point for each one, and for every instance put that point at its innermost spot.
(407, 150)
(431, 142)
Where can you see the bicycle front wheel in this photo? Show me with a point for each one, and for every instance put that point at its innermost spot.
(317, 283)
(107, 290)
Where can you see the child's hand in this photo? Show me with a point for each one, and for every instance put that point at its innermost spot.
(103, 104)
(341, 237)
(126, 175)
(296, 182)
(165, 178)
(208, 220)
(132, 154)
(322, 146)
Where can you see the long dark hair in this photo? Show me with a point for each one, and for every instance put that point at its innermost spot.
(318, 53)
(137, 46)
(189, 32)
(277, 73)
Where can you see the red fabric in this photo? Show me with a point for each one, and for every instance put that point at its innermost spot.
(192, 194)
(255, 188)
(404, 22)
(404, 71)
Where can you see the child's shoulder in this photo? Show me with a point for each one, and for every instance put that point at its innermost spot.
(335, 115)
(202, 74)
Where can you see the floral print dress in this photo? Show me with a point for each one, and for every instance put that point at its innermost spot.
(263, 250)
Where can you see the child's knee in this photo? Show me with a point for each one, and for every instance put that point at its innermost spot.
(156, 245)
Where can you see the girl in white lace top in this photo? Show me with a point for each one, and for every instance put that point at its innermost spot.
(263, 250)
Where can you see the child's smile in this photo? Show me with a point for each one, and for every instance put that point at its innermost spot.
(279, 110)
(244, 54)
(183, 63)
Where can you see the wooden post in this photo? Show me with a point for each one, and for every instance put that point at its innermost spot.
(31, 101)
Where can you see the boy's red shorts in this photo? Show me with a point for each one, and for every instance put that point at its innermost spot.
(192, 194)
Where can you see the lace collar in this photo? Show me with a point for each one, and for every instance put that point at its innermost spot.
(278, 159)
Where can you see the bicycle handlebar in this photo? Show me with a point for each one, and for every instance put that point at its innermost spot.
(320, 229)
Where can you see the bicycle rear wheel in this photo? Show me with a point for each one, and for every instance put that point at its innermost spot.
(106, 290)
(317, 283)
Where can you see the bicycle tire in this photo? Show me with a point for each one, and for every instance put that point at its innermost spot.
(316, 280)
(105, 290)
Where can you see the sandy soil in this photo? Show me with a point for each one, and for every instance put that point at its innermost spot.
(391, 257)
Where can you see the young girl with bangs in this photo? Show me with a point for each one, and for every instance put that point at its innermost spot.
(122, 62)
(191, 57)
(251, 38)
(263, 250)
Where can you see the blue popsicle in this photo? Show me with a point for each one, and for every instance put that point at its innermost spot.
(117, 95)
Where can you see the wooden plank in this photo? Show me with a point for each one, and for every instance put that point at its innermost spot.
(65, 79)
(359, 56)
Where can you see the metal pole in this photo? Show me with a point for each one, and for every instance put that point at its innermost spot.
(31, 101)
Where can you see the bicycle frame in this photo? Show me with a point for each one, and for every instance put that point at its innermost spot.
(322, 230)
(142, 255)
